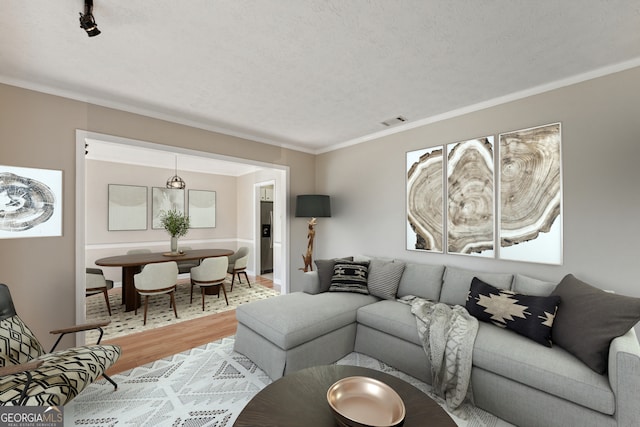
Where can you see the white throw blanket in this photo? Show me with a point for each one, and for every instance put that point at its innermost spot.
(447, 335)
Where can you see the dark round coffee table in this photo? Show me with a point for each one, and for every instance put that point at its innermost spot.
(300, 399)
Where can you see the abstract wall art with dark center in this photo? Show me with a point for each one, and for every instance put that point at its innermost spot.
(30, 202)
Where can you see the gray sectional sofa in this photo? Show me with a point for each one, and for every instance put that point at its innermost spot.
(513, 377)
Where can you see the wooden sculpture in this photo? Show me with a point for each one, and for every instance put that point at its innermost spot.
(307, 258)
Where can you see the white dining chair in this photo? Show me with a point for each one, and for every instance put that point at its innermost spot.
(97, 284)
(211, 272)
(238, 264)
(154, 279)
(138, 251)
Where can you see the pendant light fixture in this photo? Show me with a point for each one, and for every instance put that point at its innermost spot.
(175, 182)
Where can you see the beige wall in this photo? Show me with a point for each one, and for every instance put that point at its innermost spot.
(101, 242)
(601, 151)
(39, 130)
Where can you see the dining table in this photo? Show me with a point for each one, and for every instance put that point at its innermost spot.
(132, 264)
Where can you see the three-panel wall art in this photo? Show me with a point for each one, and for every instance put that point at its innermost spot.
(128, 206)
(489, 198)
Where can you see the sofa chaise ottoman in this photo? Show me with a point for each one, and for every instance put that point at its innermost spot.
(298, 330)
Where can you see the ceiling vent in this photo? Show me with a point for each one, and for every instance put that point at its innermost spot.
(394, 121)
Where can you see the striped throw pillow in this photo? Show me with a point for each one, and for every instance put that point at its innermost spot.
(384, 278)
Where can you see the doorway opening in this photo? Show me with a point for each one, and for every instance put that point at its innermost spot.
(94, 240)
(267, 231)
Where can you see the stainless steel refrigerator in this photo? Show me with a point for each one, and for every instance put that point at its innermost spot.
(266, 241)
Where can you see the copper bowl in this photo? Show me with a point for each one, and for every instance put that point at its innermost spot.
(365, 402)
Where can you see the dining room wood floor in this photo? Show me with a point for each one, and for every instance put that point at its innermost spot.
(144, 347)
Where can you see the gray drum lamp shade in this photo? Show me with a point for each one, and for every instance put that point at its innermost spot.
(313, 206)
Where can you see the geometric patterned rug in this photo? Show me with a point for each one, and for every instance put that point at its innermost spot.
(160, 314)
(204, 386)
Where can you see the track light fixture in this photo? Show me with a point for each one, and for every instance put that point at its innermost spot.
(87, 21)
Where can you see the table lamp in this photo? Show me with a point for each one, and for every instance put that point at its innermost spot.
(312, 206)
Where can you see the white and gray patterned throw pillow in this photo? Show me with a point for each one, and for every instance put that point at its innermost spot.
(350, 277)
(384, 278)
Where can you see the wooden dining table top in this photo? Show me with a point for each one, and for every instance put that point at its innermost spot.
(132, 260)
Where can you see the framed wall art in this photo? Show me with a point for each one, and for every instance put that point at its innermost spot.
(425, 189)
(202, 208)
(164, 200)
(531, 195)
(30, 202)
(471, 197)
(127, 207)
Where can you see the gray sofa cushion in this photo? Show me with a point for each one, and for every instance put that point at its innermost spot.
(532, 286)
(293, 319)
(552, 370)
(421, 280)
(457, 282)
(391, 317)
(384, 278)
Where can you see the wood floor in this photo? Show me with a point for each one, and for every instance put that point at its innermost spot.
(145, 347)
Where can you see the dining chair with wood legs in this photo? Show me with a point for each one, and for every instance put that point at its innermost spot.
(238, 264)
(154, 279)
(211, 272)
(97, 284)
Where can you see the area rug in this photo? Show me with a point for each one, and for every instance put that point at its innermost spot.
(205, 386)
(160, 314)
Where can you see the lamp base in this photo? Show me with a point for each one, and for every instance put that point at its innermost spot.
(308, 257)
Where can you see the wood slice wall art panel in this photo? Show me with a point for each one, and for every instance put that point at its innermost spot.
(425, 189)
(470, 197)
(531, 195)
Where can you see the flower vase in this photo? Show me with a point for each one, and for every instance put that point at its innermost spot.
(174, 245)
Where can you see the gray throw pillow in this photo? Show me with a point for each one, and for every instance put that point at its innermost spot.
(384, 278)
(325, 271)
(588, 319)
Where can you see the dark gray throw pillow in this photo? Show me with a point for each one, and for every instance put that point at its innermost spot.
(324, 268)
(349, 276)
(531, 316)
(589, 319)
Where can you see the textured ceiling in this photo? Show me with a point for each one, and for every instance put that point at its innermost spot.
(312, 74)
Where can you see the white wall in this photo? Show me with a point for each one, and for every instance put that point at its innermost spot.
(601, 174)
